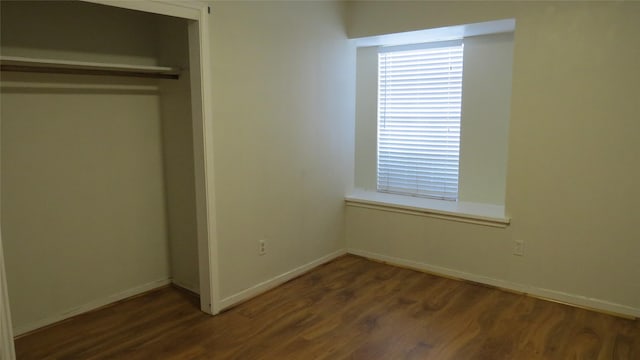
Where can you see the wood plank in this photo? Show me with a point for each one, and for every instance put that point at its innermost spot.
(349, 308)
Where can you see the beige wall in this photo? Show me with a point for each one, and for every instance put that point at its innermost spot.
(366, 120)
(486, 100)
(572, 171)
(83, 207)
(283, 80)
(177, 131)
(75, 30)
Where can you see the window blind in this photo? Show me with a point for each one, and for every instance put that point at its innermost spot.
(419, 100)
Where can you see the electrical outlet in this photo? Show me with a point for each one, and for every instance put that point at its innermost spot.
(518, 248)
(262, 247)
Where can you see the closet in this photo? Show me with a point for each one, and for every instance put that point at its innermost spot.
(99, 182)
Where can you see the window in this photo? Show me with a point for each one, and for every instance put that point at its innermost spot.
(419, 107)
(476, 142)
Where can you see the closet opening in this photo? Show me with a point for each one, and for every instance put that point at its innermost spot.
(106, 190)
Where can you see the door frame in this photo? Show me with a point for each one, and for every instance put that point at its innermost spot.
(197, 14)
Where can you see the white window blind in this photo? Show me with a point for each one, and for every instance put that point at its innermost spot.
(419, 100)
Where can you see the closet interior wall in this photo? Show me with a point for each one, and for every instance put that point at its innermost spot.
(97, 175)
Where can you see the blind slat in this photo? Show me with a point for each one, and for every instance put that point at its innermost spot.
(419, 101)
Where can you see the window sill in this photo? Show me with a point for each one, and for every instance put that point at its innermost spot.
(473, 213)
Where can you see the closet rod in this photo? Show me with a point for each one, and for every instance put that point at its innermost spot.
(20, 64)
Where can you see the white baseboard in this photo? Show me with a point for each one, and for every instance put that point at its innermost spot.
(276, 281)
(19, 330)
(553, 295)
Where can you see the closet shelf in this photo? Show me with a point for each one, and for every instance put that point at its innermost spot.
(23, 64)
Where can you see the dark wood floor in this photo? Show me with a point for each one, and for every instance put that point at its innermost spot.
(351, 308)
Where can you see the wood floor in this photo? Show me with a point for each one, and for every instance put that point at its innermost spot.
(351, 308)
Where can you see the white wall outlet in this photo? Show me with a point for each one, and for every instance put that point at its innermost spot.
(518, 247)
(262, 247)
